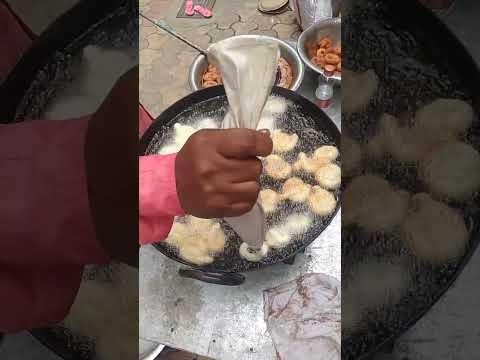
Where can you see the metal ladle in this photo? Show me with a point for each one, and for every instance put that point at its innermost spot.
(164, 26)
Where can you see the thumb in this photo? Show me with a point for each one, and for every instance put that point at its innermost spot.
(244, 143)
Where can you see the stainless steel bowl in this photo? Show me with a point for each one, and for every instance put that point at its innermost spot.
(288, 52)
(331, 28)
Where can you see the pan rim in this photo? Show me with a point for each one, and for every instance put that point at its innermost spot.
(216, 91)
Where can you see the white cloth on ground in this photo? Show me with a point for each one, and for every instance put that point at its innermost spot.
(303, 318)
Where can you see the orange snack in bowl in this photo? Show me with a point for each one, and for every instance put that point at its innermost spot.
(325, 55)
(330, 69)
(333, 59)
(325, 42)
(212, 76)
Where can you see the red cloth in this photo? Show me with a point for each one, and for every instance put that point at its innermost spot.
(46, 230)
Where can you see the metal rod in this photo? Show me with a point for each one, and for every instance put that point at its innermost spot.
(164, 26)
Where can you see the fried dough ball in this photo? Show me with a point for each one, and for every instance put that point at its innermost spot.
(327, 152)
(269, 200)
(364, 202)
(215, 239)
(452, 171)
(178, 232)
(403, 143)
(277, 237)
(444, 119)
(321, 201)
(276, 167)
(297, 224)
(329, 176)
(197, 240)
(283, 142)
(309, 165)
(296, 190)
(281, 235)
(196, 254)
(434, 232)
(200, 225)
(275, 105)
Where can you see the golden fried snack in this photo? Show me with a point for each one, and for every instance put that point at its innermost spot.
(283, 142)
(276, 167)
(319, 61)
(452, 171)
(332, 58)
(327, 152)
(325, 42)
(208, 84)
(321, 52)
(329, 176)
(210, 76)
(321, 201)
(364, 201)
(296, 190)
(309, 165)
(269, 200)
(434, 232)
(286, 74)
(197, 240)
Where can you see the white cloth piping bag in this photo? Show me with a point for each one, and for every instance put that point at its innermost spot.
(248, 66)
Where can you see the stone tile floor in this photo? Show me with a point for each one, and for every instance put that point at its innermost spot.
(164, 60)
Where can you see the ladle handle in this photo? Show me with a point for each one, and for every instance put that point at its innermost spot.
(164, 26)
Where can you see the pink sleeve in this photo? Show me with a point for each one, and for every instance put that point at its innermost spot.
(158, 200)
(157, 196)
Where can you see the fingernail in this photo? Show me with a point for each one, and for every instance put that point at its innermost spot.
(265, 131)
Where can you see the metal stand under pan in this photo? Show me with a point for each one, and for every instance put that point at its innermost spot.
(222, 278)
